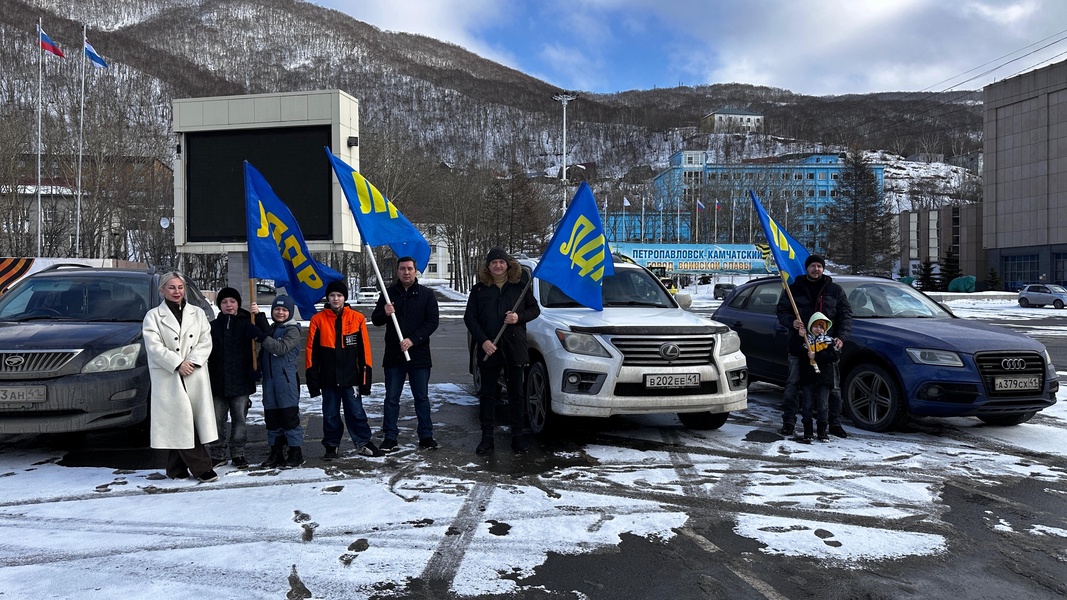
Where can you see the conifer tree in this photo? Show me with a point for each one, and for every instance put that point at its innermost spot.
(858, 225)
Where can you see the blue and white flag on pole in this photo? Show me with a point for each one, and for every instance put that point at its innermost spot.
(91, 54)
(788, 253)
(578, 257)
(276, 248)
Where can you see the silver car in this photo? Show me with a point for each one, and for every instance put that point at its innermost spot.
(1040, 294)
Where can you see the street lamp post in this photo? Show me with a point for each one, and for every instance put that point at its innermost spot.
(563, 99)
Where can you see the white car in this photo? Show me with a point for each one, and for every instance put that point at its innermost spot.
(367, 295)
(644, 353)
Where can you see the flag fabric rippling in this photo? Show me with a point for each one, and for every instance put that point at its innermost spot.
(95, 58)
(788, 253)
(47, 44)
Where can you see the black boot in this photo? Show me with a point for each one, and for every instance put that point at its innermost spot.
(487, 445)
(808, 433)
(296, 457)
(822, 434)
(277, 455)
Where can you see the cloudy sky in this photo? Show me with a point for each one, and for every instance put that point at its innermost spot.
(817, 47)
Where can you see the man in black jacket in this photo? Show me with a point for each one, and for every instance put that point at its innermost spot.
(416, 312)
(489, 308)
(814, 292)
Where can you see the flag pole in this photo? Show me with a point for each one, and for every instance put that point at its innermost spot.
(252, 299)
(641, 225)
(513, 309)
(385, 293)
(81, 140)
(40, 100)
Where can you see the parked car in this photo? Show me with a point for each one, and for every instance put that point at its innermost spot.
(722, 290)
(1039, 294)
(367, 295)
(71, 354)
(907, 355)
(644, 353)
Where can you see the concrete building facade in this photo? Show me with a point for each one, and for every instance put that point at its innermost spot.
(1024, 219)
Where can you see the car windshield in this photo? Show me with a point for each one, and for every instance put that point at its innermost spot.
(889, 299)
(1058, 289)
(627, 287)
(77, 299)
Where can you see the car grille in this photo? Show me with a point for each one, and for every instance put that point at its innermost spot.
(707, 388)
(39, 363)
(999, 364)
(648, 351)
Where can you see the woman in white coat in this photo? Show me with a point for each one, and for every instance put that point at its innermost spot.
(177, 338)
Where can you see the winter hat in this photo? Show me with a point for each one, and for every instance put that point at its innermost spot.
(285, 302)
(814, 258)
(815, 318)
(496, 254)
(337, 286)
(227, 292)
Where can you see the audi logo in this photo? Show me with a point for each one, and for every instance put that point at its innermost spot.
(1013, 364)
(669, 351)
(14, 361)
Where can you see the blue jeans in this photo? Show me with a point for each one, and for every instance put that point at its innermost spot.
(791, 396)
(236, 408)
(419, 382)
(333, 399)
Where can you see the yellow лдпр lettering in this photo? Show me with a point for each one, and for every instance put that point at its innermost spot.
(591, 254)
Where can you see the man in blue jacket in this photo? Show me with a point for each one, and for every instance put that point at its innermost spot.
(416, 311)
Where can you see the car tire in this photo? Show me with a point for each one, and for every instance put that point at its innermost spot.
(1023, 302)
(539, 400)
(1008, 420)
(703, 420)
(1058, 304)
(873, 399)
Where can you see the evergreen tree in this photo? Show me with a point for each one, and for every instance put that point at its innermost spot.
(859, 229)
(950, 269)
(927, 279)
(993, 281)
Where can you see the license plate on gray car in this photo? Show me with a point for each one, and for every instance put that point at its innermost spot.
(672, 380)
(22, 393)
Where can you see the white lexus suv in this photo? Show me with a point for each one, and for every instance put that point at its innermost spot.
(644, 353)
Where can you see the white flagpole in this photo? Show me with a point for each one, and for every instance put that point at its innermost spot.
(81, 139)
(678, 222)
(40, 100)
(716, 240)
(385, 292)
(697, 221)
(625, 225)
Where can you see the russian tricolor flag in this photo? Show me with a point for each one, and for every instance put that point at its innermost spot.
(90, 52)
(47, 43)
(700, 205)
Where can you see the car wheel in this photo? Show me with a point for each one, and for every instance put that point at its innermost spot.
(1058, 304)
(1008, 420)
(539, 399)
(1023, 302)
(872, 399)
(703, 420)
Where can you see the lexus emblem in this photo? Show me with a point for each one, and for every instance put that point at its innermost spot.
(14, 361)
(1013, 364)
(669, 351)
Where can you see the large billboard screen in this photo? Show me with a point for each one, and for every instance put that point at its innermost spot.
(291, 159)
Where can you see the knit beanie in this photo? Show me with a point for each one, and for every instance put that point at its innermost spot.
(337, 286)
(227, 292)
(283, 301)
(497, 254)
(814, 258)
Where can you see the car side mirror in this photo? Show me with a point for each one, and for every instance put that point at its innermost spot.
(684, 299)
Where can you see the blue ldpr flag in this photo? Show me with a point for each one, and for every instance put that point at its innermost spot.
(578, 258)
(276, 248)
(788, 253)
(378, 221)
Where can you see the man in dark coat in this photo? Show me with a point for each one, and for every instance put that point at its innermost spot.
(814, 292)
(489, 308)
(416, 312)
(233, 379)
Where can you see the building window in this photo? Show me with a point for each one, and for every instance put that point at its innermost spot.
(811, 193)
(833, 193)
(835, 175)
(1019, 271)
(822, 174)
(1059, 268)
(822, 193)
(811, 175)
(431, 268)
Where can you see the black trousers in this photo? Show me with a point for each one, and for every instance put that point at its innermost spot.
(195, 460)
(487, 397)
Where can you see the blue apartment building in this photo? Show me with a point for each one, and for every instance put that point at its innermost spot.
(701, 202)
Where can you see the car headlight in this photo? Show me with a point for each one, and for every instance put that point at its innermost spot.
(116, 359)
(729, 343)
(581, 343)
(939, 358)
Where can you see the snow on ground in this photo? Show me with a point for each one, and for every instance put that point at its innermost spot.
(357, 527)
